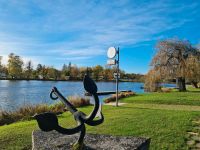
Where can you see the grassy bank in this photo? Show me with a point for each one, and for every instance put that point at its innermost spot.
(145, 115)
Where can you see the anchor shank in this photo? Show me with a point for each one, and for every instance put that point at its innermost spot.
(69, 106)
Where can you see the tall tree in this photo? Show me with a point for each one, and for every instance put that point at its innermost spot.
(171, 60)
(28, 69)
(1, 66)
(39, 68)
(66, 70)
(69, 68)
(38, 71)
(15, 64)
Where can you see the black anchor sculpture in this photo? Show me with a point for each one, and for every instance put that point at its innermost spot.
(49, 121)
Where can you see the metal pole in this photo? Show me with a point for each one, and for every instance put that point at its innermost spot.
(117, 79)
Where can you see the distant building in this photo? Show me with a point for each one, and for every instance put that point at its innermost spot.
(40, 76)
(67, 77)
(2, 75)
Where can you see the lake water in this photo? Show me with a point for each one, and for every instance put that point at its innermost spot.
(14, 94)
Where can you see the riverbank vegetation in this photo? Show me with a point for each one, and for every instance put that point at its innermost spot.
(174, 60)
(26, 112)
(17, 69)
(166, 118)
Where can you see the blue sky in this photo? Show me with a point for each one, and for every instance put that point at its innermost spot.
(54, 32)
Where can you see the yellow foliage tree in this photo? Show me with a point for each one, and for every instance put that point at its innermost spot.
(152, 81)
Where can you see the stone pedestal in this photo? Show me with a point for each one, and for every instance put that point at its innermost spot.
(56, 141)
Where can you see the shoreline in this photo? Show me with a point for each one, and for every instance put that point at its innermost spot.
(73, 80)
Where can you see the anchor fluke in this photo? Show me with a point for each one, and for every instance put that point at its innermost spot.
(47, 121)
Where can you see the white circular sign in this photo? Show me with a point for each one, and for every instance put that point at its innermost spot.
(111, 52)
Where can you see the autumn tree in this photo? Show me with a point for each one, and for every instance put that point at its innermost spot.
(69, 72)
(82, 72)
(97, 72)
(122, 73)
(152, 81)
(52, 73)
(108, 74)
(193, 70)
(171, 60)
(15, 64)
(74, 72)
(135, 77)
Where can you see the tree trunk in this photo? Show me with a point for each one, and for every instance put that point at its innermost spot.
(194, 84)
(180, 82)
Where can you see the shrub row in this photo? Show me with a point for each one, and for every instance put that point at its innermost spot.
(120, 96)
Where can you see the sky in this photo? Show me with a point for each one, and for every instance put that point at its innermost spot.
(54, 32)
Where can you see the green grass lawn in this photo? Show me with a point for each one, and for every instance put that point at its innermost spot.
(145, 115)
(191, 97)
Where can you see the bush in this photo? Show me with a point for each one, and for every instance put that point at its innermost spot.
(166, 90)
(120, 96)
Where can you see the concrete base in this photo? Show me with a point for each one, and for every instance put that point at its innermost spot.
(56, 141)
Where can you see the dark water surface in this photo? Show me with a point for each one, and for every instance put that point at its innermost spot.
(14, 94)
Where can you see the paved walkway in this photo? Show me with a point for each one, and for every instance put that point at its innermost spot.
(160, 106)
(168, 107)
(114, 104)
